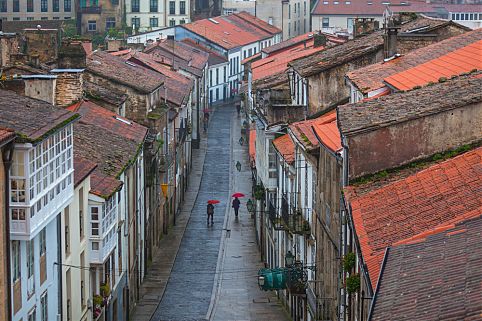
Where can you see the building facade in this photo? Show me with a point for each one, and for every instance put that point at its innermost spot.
(15, 10)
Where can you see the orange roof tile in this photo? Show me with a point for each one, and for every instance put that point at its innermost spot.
(6, 135)
(285, 146)
(455, 63)
(278, 62)
(371, 77)
(231, 31)
(325, 127)
(425, 202)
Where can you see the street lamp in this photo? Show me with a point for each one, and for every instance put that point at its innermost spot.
(238, 166)
(289, 259)
(241, 141)
(250, 206)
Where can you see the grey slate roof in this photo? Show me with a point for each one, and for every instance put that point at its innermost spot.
(30, 118)
(399, 107)
(435, 278)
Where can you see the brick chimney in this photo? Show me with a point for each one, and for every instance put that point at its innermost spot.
(69, 87)
(40, 87)
(72, 54)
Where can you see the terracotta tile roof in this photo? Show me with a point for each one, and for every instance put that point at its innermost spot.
(377, 7)
(121, 52)
(251, 58)
(457, 62)
(30, 118)
(439, 277)
(443, 193)
(82, 169)
(295, 41)
(371, 77)
(259, 23)
(179, 87)
(110, 141)
(285, 146)
(326, 129)
(125, 73)
(97, 92)
(230, 31)
(252, 147)
(400, 107)
(168, 57)
(6, 135)
(117, 125)
(193, 57)
(356, 48)
(213, 59)
(105, 185)
(277, 63)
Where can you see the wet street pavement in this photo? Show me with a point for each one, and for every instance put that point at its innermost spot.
(205, 272)
(188, 292)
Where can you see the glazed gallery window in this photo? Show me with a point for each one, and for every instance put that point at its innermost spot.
(15, 260)
(94, 217)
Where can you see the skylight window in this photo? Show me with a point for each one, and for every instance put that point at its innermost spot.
(347, 2)
(213, 21)
(325, 2)
(336, 2)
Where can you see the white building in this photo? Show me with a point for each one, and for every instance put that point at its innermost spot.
(291, 16)
(41, 188)
(236, 37)
(147, 16)
(76, 294)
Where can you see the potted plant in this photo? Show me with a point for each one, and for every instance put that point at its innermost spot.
(349, 261)
(105, 290)
(98, 300)
(352, 283)
(258, 192)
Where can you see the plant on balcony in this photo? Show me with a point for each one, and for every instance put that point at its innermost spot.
(98, 300)
(258, 192)
(352, 283)
(306, 226)
(349, 261)
(105, 290)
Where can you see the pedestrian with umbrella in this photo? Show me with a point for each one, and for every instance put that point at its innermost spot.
(236, 202)
(210, 210)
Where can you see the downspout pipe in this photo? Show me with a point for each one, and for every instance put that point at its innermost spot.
(7, 156)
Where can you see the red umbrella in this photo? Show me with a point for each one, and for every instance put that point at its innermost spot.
(237, 195)
(213, 201)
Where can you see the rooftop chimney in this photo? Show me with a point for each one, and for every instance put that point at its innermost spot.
(390, 39)
(319, 39)
(40, 87)
(69, 87)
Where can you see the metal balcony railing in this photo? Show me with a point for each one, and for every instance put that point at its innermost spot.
(293, 219)
(274, 217)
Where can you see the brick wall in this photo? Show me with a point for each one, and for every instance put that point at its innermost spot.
(44, 43)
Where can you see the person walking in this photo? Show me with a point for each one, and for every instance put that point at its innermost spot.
(210, 212)
(238, 108)
(206, 121)
(236, 204)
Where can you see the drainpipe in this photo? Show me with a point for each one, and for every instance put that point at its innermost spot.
(59, 265)
(7, 155)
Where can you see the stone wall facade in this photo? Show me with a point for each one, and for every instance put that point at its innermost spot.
(405, 142)
(69, 88)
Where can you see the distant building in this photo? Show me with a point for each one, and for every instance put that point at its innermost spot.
(99, 16)
(291, 16)
(339, 16)
(144, 15)
(235, 6)
(16, 10)
(235, 37)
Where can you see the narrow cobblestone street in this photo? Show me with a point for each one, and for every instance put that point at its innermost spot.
(209, 272)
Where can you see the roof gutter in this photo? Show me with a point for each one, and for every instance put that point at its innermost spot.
(385, 256)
